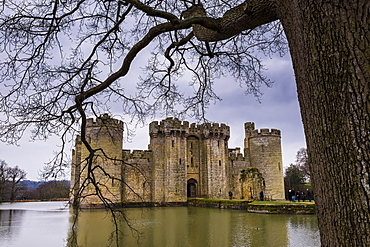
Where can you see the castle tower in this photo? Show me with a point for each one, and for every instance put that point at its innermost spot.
(264, 151)
(105, 135)
(168, 145)
(216, 160)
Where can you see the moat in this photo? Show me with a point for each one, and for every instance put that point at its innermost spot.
(48, 224)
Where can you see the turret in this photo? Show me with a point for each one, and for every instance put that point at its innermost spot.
(264, 150)
(106, 136)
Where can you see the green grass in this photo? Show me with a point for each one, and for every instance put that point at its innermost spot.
(281, 202)
(217, 200)
(250, 202)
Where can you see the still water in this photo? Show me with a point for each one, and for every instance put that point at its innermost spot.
(49, 224)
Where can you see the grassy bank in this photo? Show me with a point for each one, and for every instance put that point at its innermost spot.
(270, 207)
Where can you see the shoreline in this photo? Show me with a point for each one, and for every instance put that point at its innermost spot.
(261, 207)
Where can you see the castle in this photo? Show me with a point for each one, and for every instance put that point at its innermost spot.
(183, 160)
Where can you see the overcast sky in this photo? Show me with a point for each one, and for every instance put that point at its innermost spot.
(278, 109)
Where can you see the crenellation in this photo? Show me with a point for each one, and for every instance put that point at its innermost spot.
(265, 132)
(104, 120)
(183, 160)
(235, 154)
(168, 126)
(249, 126)
(275, 132)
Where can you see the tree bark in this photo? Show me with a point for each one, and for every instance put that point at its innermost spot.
(330, 48)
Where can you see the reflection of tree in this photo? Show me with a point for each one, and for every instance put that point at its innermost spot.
(10, 221)
(84, 230)
(299, 226)
(252, 182)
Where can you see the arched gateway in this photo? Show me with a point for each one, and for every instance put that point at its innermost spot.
(192, 188)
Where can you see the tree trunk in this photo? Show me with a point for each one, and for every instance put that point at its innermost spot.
(330, 48)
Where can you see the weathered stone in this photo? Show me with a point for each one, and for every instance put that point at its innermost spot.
(182, 161)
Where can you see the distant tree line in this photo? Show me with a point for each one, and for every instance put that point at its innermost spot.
(14, 187)
(297, 176)
(50, 190)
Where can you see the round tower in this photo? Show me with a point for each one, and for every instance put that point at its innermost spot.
(105, 135)
(264, 148)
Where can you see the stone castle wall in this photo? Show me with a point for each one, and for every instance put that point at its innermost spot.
(237, 163)
(136, 175)
(182, 161)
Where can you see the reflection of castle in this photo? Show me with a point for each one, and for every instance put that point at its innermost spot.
(182, 161)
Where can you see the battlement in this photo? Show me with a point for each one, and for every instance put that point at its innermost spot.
(167, 125)
(104, 120)
(216, 127)
(249, 126)
(235, 154)
(265, 132)
(215, 130)
(174, 125)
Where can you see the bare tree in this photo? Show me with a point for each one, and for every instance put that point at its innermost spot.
(9, 179)
(301, 161)
(62, 60)
(15, 175)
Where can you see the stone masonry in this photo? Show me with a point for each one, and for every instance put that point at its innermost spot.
(183, 160)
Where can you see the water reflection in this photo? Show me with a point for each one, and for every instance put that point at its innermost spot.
(10, 222)
(302, 230)
(33, 224)
(48, 224)
(199, 227)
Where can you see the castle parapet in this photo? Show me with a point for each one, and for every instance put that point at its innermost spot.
(168, 125)
(265, 132)
(249, 126)
(235, 154)
(215, 129)
(104, 120)
(173, 125)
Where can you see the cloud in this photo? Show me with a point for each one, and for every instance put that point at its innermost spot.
(278, 109)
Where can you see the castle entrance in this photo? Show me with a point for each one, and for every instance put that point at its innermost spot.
(192, 188)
